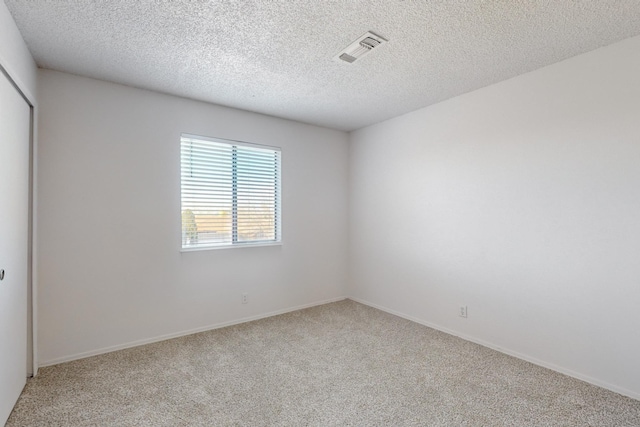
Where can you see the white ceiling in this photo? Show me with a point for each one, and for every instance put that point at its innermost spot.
(275, 56)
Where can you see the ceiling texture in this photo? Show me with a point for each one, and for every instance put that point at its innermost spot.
(277, 56)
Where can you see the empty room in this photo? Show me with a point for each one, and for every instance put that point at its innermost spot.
(334, 213)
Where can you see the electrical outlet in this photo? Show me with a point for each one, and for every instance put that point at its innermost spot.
(463, 311)
(245, 298)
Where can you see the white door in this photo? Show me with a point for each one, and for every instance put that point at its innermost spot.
(14, 223)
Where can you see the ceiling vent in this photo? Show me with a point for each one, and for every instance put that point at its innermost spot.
(359, 48)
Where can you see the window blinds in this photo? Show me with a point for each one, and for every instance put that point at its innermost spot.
(230, 193)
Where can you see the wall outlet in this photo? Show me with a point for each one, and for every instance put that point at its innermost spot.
(245, 298)
(463, 311)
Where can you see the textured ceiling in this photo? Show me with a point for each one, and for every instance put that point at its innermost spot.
(275, 56)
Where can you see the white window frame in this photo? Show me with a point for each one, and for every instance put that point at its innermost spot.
(235, 242)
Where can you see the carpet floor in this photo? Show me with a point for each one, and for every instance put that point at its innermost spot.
(339, 364)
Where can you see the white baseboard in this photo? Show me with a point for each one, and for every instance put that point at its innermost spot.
(553, 367)
(182, 333)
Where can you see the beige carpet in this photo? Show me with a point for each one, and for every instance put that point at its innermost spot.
(340, 364)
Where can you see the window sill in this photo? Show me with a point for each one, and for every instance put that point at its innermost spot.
(238, 246)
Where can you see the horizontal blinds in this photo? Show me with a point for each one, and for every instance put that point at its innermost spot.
(230, 193)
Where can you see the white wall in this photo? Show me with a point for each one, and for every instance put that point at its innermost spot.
(14, 54)
(110, 267)
(521, 201)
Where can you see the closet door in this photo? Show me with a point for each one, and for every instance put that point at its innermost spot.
(14, 222)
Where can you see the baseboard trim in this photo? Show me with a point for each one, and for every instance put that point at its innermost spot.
(159, 338)
(553, 367)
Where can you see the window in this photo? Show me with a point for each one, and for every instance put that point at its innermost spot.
(230, 193)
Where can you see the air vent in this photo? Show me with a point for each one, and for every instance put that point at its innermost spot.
(359, 48)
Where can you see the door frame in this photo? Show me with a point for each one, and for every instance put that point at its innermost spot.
(32, 312)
